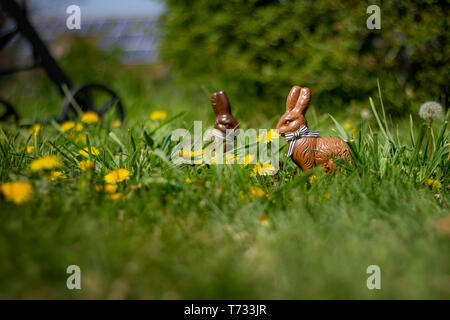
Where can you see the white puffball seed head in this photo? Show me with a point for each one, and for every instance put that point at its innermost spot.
(430, 110)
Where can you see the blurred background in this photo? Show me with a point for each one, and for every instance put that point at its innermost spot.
(128, 26)
(172, 54)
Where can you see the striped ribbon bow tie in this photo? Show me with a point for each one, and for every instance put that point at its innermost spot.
(294, 136)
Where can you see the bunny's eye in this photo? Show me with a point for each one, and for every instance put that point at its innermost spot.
(288, 121)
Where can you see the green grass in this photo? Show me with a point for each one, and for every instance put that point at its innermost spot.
(204, 240)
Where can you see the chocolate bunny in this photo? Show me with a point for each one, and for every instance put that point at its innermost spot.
(224, 119)
(305, 148)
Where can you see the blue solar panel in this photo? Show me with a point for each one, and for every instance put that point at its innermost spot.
(137, 38)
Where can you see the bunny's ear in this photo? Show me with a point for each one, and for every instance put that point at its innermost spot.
(292, 98)
(303, 100)
(220, 103)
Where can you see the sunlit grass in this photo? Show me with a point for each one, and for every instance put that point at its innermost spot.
(140, 227)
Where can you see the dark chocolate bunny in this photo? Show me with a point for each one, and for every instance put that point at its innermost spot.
(222, 108)
(224, 120)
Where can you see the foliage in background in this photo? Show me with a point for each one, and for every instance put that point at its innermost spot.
(263, 47)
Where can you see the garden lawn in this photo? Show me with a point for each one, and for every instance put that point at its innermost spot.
(221, 231)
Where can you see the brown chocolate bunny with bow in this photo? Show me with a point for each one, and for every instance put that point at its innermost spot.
(308, 150)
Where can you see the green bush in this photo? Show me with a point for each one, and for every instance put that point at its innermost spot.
(262, 47)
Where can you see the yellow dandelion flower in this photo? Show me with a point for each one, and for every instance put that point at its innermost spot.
(85, 151)
(264, 170)
(189, 154)
(110, 188)
(247, 159)
(89, 117)
(311, 179)
(118, 175)
(257, 192)
(81, 137)
(47, 162)
(272, 135)
(68, 125)
(434, 183)
(78, 127)
(326, 195)
(198, 153)
(158, 115)
(264, 219)
(86, 165)
(55, 175)
(229, 158)
(348, 125)
(35, 128)
(116, 196)
(187, 180)
(257, 169)
(116, 124)
(30, 149)
(268, 136)
(211, 161)
(17, 192)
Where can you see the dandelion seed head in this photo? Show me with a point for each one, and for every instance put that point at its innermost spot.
(430, 110)
(365, 114)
